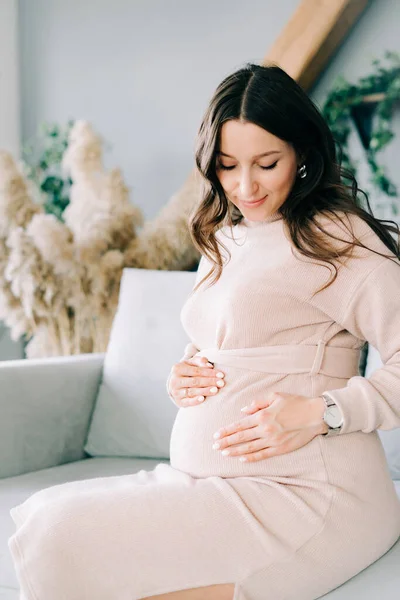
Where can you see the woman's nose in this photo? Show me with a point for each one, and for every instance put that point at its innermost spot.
(247, 185)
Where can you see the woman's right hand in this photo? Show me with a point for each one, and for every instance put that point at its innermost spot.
(192, 379)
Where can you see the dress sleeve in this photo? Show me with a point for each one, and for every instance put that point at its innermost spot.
(373, 315)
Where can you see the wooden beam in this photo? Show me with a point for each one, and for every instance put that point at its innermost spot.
(312, 35)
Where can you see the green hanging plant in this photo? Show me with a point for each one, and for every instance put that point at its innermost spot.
(41, 158)
(381, 89)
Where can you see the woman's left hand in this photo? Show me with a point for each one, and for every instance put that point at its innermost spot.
(278, 424)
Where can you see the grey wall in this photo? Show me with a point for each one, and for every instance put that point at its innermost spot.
(141, 71)
(9, 96)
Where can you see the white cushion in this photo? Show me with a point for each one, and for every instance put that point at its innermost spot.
(134, 415)
(390, 439)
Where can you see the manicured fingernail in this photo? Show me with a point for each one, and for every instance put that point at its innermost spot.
(220, 383)
(220, 374)
(200, 398)
(225, 452)
(242, 459)
(215, 446)
(216, 435)
(213, 389)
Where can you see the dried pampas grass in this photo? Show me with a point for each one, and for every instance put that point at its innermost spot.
(59, 282)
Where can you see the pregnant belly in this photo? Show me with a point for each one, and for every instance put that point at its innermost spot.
(192, 433)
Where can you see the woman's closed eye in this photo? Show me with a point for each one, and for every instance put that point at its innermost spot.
(226, 168)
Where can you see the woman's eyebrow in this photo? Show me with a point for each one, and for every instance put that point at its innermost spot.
(256, 156)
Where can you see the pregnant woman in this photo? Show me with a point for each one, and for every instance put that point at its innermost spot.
(278, 486)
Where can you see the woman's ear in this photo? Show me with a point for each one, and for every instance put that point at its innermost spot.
(302, 158)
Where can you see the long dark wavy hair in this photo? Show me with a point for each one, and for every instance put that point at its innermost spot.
(268, 97)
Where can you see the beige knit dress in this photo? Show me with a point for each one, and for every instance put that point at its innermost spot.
(289, 527)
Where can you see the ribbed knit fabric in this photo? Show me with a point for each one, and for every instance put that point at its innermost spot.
(291, 526)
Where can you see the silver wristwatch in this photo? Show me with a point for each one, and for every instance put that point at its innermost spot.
(332, 416)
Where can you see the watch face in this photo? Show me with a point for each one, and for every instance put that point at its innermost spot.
(333, 416)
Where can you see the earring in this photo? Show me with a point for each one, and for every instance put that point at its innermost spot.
(302, 171)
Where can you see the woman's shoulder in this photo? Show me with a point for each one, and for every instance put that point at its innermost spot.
(353, 269)
(350, 228)
(343, 222)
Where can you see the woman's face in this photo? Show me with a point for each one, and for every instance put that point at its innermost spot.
(252, 164)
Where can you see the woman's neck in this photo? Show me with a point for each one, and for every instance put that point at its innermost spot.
(275, 216)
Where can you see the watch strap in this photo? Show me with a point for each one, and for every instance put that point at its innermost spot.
(330, 402)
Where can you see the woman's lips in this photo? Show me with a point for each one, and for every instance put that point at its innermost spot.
(256, 203)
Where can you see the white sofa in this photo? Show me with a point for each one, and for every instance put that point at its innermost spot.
(50, 432)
